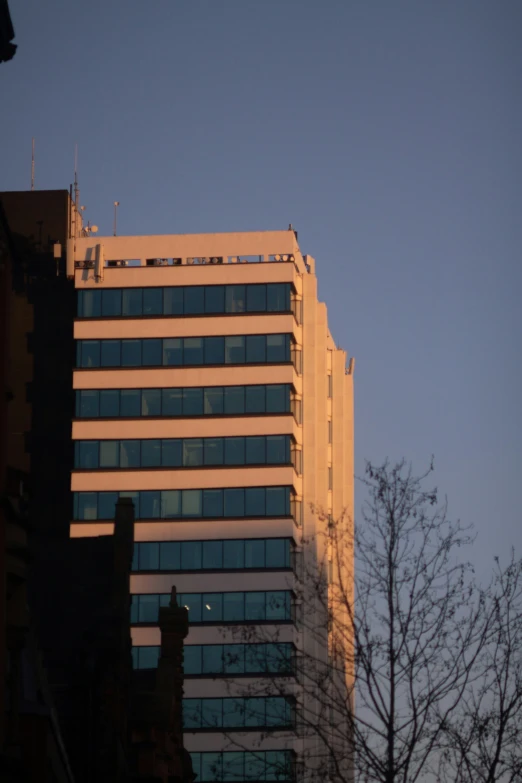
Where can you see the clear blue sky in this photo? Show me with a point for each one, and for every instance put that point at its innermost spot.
(388, 133)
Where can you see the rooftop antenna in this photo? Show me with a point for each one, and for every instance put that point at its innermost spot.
(116, 205)
(32, 166)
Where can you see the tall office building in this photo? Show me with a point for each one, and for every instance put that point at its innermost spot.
(210, 391)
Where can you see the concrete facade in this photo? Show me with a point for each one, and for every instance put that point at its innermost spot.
(318, 421)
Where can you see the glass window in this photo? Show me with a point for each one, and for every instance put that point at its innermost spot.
(192, 601)
(215, 299)
(170, 503)
(148, 607)
(193, 350)
(279, 658)
(277, 605)
(213, 451)
(254, 606)
(90, 353)
(213, 502)
(255, 450)
(234, 658)
(234, 502)
(212, 659)
(170, 556)
(256, 349)
(234, 399)
(109, 403)
(276, 501)
(130, 353)
(111, 301)
(233, 554)
(191, 503)
(277, 398)
(173, 301)
(255, 716)
(148, 657)
(130, 402)
(214, 350)
(148, 556)
(109, 454)
(89, 304)
(107, 504)
(211, 766)
(172, 453)
(277, 553)
(194, 300)
(132, 303)
(172, 352)
(211, 713)
(233, 607)
(235, 299)
(129, 454)
(171, 402)
(212, 607)
(151, 402)
(235, 349)
(213, 400)
(255, 502)
(87, 454)
(234, 717)
(192, 659)
(255, 399)
(191, 555)
(234, 764)
(191, 713)
(212, 554)
(151, 453)
(278, 297)
(110, 353)
(152, 301)
(234, 451)
(254, 554)
(192, 452)
(277, 449)
(151, 353)
(192, 402)
(87, 505)
(89, 403)
(150, 504)
(256, 298)
(255, 658)
(276, 348)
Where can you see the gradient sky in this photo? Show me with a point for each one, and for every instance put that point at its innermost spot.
(388, 133)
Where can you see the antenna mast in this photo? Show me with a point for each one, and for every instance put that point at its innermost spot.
(32, 166)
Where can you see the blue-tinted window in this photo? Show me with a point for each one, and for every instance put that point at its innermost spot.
(173, 301)
(192, 402)
(192, 663)
(131, 353)
(192, 452)
(276, 501)
(170, 503)
(172, 453)
(255, 450)
(277, 451)
(172, 352)
(130, 402)
(234, 502)
(278, 297)
(192, 503)
(233, 554)
(233, 607)
(277, 553)
(235, 299)
(170, 556)
(215, 299)
(234, 397)
(193, 352)
(130, 453)
(152, 301)
(148, 556)
(191, 555)
(132, 301)
(229, 659)
(87, 453)
(255, 502)
(107, 504)
(171, 402)
(110, 353)
(235, 349)
(90, 353)
(89, 404)
(255, 554)
(234, 451)
(150, 504)
(151, 402)
(212, 659)
(255, 606)
(277, 605)
(277, 398)
(277, 348)
(255, 399)
(256, 298)
(109, 403)
(89, 304)
(212, 607)
(152, 353)
(214, 452)
(213, 400)
(111, 301)
(212, 555)
(148, 606)
(214, 350)
(255, 349)
(192, 601)
(109, 454)
(151, 453)
(213, 502)
(194, 300)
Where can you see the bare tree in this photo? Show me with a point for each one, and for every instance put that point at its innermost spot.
(482, 741)
(404, 636)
